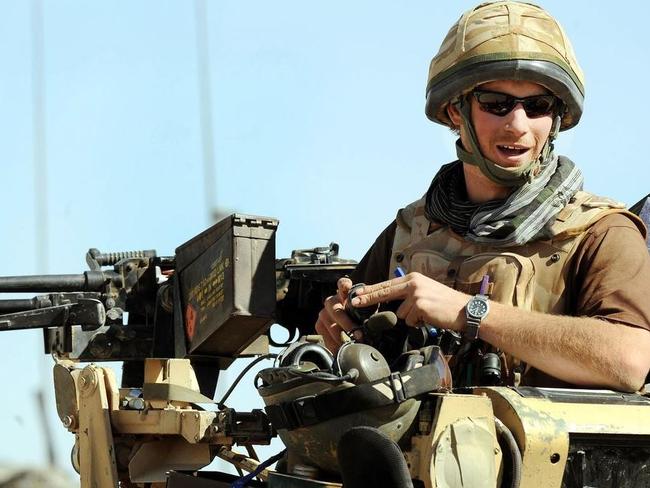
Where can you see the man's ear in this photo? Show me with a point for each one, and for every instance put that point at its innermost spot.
(454, 115)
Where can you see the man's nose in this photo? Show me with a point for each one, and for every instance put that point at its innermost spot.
(517, 120)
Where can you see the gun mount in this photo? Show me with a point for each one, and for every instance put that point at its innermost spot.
(175, 322)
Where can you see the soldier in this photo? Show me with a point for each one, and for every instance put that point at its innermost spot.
(505, 246)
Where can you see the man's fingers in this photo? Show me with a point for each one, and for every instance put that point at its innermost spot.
(410, 312)
(326, 322)
(324, 332)
(332, 321)
(414, 317)
(337, 313)
(404, 308)
(385, 291)
(344, 283)
(343, 286)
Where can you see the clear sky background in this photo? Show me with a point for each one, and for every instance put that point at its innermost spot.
(318, 120)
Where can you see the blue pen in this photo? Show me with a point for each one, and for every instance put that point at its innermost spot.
(432, 331)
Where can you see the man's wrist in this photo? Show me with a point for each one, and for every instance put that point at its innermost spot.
(476, 310)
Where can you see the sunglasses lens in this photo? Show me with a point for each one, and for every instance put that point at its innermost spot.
(539, 106)
(495, 103)
(501, 103)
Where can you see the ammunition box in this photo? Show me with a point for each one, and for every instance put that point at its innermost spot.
(227, 284)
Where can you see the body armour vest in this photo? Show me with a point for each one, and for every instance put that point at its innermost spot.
(534, 276)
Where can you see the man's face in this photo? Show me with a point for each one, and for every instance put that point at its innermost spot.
(515, 138)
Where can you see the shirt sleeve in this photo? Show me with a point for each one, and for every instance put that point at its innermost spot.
(612, 273)
(373, 267)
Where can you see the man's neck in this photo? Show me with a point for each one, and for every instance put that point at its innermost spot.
(480, 188)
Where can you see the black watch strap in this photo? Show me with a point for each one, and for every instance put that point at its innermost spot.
(471, 331)
(475, 315)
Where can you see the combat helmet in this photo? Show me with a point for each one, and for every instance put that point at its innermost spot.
(504, 40)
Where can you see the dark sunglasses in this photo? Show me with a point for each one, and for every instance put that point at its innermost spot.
(502, 104)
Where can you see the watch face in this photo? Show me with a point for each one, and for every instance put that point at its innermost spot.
(477, 308)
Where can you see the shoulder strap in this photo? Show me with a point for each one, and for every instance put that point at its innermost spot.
(412, 226)
(584, 210)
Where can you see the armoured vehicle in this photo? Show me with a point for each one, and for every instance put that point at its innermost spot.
(383, 413)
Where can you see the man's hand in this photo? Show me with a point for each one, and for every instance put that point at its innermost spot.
(332, 319)
(425, 301)
(579, 350)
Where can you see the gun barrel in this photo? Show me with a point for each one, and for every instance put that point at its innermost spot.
(21, 304)
(88, 281)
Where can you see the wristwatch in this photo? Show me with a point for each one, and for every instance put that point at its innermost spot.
(476, 310)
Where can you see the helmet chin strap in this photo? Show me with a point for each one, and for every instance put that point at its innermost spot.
(501, 175)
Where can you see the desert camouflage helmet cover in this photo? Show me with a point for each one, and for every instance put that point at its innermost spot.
(505, 40)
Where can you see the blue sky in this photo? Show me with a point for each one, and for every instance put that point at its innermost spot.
(318, 120)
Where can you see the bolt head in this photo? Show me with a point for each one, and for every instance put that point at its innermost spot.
(68, 420)
(87, 381)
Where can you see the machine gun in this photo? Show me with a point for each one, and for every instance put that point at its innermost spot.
(194, 304)
(175, 322)
(211, 302)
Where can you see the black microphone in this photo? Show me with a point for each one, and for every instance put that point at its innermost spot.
(377, 324)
